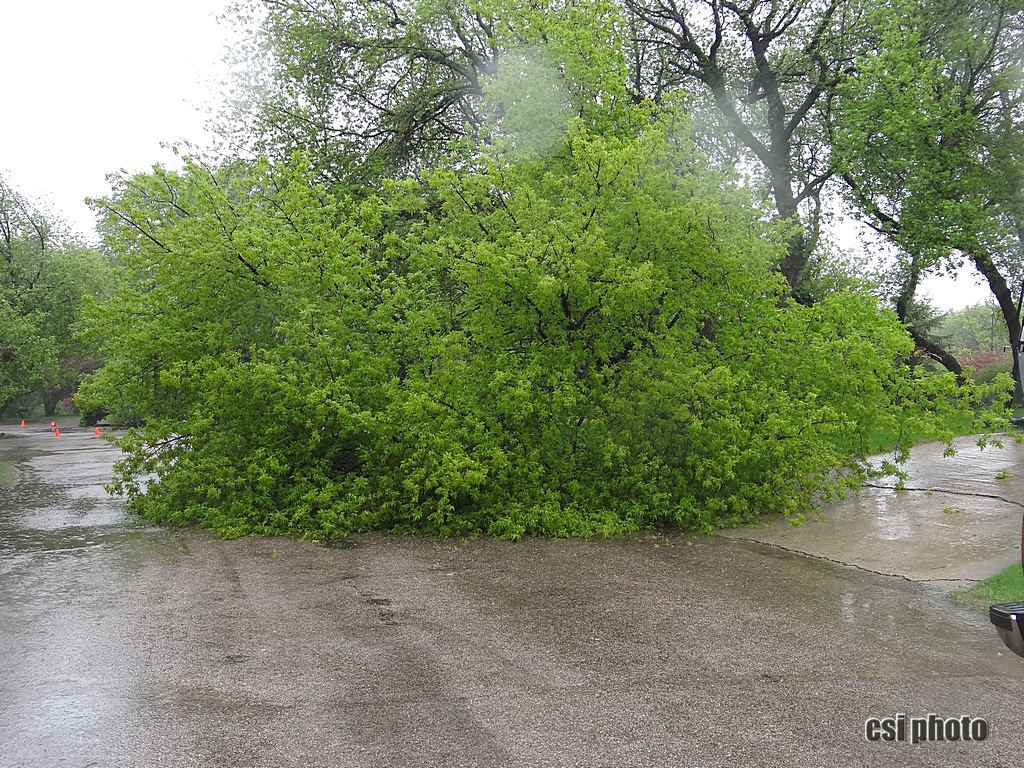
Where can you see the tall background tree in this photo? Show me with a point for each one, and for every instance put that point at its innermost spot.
(978, 328)
(44, 275)
(379, 88)
(929, 142)
(762, 73)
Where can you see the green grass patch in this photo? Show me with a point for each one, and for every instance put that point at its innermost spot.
(1007, 586)
(8, 475)
(884, 439)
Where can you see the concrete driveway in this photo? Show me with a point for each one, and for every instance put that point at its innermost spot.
(956, 521)
(126, 645)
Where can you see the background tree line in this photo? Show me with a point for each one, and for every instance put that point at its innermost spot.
(44, 274)
(557, 268)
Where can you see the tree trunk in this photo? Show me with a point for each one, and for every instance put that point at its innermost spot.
(1011, 315)
(51, 399)
(937, 353)
(903, 304)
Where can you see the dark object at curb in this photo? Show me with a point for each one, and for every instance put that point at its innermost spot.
(1007, 618)
(1018, 422)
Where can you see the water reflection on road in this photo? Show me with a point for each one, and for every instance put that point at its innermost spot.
(66, 552)
(956, 521)
(127, 645)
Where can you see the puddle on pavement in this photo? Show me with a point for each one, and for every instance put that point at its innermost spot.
(958, 520)
(58, 517)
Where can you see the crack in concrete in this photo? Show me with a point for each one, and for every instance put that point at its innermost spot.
(995, 496)
(855, 565)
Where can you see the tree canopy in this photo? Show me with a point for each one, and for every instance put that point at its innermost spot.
(590, 339)
(44, 275)
(929, 143)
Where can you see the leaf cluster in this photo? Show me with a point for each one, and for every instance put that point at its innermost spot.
(44, 275)
(589, 342)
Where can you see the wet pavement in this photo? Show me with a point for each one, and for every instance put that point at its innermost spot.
(127, 645)
(956, 521)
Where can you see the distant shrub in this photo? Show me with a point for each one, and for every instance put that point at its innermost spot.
(987, 374)
(979, 359)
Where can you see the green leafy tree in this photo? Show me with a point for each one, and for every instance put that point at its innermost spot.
(23, 353)
(44, 273)
(251, 332)
(585, 339)
(979, 327)
(377, 88)
(762, 75)
(929, 138)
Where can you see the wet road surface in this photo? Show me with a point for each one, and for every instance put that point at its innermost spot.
(126, 645)
(956, 521)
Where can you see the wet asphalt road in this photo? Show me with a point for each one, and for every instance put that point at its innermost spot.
(125, 645)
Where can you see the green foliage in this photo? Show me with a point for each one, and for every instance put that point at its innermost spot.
(585, 342)
(1007, 586)
(989, 373)
(928, 141)
(44, 274)
(761, 75)
(979, 327)
(917, 136)
(375, 90)
(23, 349)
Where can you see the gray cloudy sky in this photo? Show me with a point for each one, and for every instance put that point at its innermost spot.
(91, 88)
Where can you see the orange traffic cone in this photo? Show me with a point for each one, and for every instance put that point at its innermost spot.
(97, 431)
(56, 432)
(23, 423)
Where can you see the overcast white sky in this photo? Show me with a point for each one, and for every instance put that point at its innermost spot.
(93, 87)
(965, 290)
